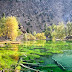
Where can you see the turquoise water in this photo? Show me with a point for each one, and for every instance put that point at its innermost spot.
(40, 55)
(47, 56)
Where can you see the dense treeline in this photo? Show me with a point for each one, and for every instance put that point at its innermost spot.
(59, 31)
(9, 30)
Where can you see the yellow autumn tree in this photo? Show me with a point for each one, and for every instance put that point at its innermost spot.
(40, 36)
(11, 27)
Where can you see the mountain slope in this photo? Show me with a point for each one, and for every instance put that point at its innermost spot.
(33, 14)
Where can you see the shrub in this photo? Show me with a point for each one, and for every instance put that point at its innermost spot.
(34, 33)
(28, 36)
(40, 36)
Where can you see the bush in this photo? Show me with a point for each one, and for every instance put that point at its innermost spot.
(40, 36)
(34, 33)
(28, 36)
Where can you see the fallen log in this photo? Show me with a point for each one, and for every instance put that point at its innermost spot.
(29, 68)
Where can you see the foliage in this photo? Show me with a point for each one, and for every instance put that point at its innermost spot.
(40, 36)
(18, 67)
(7, 59)
(27, 30)
(19, 32)
(28, 36)
(60, 31)
(54, 36)
(48, 32)
(3, 15)
(25, 36)
(69, 28)
(45, 27)
(11, 27)
(2, 26)
(34, 33)
(56, 32)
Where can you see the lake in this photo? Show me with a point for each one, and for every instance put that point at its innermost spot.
(40, 55)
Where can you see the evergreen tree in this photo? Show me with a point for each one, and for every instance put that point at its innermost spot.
(27, 30)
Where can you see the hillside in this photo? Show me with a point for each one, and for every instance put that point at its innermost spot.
(34, 14)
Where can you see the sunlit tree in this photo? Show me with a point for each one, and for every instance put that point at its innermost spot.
(40, 36)
(11, 27)
(28, 36)
(60, 31)
(69, 28)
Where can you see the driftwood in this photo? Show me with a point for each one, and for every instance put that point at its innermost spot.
(29, 68)
(62, 67)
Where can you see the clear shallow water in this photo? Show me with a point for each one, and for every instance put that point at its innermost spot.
(42, 55)
(50, 54)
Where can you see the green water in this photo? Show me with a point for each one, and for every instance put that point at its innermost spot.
(39, 55)
(42, 52)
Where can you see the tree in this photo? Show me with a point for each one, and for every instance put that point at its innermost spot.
(2, 26)
(48, 31)
(45, 27)
(69, 28)
(27, 30)
(3, 15)
(40, 36)
(60, 31)
(53, 34)
(11, 27)
(28, 36)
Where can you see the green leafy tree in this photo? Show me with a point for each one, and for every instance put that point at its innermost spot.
(53, 34)
(60, 31)
(3, 15)
(2, 26)
(69, 28)
(45, 27)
